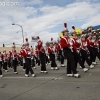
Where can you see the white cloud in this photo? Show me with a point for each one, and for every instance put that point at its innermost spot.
(40, 21)
(92, 21)
(32, 2)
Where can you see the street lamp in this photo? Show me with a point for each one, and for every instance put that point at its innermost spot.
(21, 28)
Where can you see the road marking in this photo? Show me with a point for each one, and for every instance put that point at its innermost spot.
(35, 77)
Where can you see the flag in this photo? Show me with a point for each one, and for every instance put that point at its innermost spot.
(34, 39)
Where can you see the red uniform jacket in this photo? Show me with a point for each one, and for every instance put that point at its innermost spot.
(36, 53)
(26, 53)
(84, 45)
(1, 56)
(76, 44)
(5, 57)
(41, 48)
(59, 47)
(9, 55)
(89, 42)
(99, 42)
(51, 50)
(65, 42)
(14, 54)
(18, 56)
(95, 44)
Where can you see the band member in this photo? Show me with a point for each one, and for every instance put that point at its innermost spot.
(5, 59)
(60, 54)
(1, 57)
(99, 43)
(14, 58)
(85, 52)
(23, 58)
(9, 59)
(47, 56)
(32, 58)
(42, 56)
(95, 46)
(18, 59)
(52, 51)
(76, 52)
(37, 57)
(67, 46)
(26, 53)
(90, 48)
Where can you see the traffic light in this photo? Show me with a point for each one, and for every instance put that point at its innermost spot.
(3, 45)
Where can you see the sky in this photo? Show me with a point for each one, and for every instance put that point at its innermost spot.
(44, 18)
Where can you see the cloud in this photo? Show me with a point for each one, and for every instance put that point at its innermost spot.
(92, 21)
(43, 20)
(31, 2)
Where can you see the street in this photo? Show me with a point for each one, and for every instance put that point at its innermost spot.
(52, 86)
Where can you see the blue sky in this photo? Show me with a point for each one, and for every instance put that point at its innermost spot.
(45, 18)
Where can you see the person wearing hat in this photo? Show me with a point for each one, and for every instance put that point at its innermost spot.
(90, 48)
(1, 58)
(42, 56)
(76, 50)
(9, 59)
(60, 54)
(37, 57)
(85, 52)
(47, 55)
(14, 58)
(52, 51)
(23, 58)
(67, 46)
(32, 58)
(99, 43)
(95, 46)
(26, 53)
(5, 59)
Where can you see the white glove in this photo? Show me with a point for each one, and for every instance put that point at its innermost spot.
(70, 47)
(92, 40)
(71, 43)
(48, 57)
(78, 51)
(29, 53)
(85, 44)
(78, 41)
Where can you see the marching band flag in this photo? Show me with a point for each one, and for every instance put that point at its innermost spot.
(34, 39)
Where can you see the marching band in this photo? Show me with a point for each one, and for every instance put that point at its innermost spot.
(75, 50)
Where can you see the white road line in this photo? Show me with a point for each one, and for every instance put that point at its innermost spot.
(34, 77)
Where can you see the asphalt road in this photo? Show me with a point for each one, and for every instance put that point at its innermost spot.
(52, 86)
